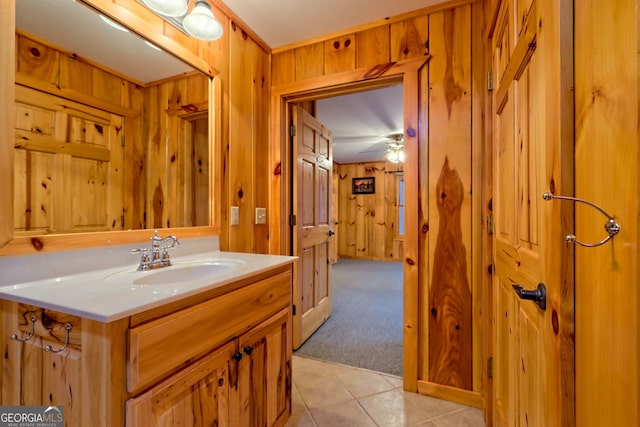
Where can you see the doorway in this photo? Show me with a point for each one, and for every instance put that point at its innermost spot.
(365, 327)
(407, 73)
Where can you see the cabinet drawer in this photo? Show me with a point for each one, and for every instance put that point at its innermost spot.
(164, 345)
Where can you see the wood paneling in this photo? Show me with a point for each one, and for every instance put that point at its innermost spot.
(7, 117)
(450, 287)
(372, 47)
(174, 134)
(607, 291)
(368, 223)
(247, 166)
(339, 54)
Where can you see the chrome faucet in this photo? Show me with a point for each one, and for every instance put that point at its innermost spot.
(156, 256)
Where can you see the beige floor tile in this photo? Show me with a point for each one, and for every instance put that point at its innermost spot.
(300, 420)
(362, 383)
(348, 414)
(432, 406)
(391, 408)
(334, 395)
(470, 417)
(297, 404)
(395, 381)
(319, 392)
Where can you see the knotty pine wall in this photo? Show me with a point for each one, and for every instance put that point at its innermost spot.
(239, 63)
(607, 280)
(367, 223)
(452, 87)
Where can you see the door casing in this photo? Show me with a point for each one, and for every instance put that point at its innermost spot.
(405, 72)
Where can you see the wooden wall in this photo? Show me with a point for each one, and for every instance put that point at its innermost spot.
(607, 285)
(174, 154)
(451, 89)
(367, 223)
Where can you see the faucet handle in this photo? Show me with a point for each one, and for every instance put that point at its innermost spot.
(144, 258)
(174, 242)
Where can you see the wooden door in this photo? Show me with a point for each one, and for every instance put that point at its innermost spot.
(312, 236)
(68, 161)
(198, 395)
(532, 154)
(264, 372)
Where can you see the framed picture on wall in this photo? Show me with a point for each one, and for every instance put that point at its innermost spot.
(363, 185)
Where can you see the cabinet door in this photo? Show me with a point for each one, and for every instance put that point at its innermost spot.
(264, 372)
(198, 395)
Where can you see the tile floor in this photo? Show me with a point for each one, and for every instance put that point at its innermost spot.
(326, 394)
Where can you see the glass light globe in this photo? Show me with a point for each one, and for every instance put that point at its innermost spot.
(201, 23)
(168, 7)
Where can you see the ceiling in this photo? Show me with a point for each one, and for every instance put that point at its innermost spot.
(283, 22)
(360, 122)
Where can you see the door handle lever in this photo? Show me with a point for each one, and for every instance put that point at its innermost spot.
(539, 295)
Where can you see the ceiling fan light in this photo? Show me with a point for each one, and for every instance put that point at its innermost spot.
(201, 23)
(168, 7)
(396, 156)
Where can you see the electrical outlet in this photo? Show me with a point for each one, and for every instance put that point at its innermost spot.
(235, 215)
(261, 215)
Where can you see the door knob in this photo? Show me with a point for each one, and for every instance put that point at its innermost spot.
(539, 295)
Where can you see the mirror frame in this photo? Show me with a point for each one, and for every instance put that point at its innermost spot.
(149, 26)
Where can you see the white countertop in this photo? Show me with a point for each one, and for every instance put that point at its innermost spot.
(103, 284)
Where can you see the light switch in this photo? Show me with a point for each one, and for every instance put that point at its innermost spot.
(261, 215)
(235, 215)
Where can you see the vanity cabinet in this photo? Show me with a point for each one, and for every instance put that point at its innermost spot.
(199, 395)
(222, 357)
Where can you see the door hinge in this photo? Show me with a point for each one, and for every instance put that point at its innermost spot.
(490, 367)
(292, 130)
(490, 81)
(293, 309)
(122, 141)
(292, 220)
(490, 224)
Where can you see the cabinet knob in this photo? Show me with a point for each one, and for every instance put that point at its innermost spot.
(220, 382)
(248, 349)
(237, 356)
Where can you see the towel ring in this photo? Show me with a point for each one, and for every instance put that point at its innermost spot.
(611, 226)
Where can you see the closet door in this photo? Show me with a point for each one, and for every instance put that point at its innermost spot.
(532, 154)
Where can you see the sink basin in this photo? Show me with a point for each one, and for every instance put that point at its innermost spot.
(183, 273)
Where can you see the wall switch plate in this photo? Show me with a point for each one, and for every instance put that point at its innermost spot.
(261, 215)
(235, 215)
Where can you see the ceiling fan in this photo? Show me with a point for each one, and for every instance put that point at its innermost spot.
(394, 147)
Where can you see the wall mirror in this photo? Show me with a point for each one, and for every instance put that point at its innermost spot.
(112, 133)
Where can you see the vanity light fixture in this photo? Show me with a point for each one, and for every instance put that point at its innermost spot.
(168, 7)
(201, 23)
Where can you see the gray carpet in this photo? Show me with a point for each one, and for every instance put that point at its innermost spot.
(365, 328)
